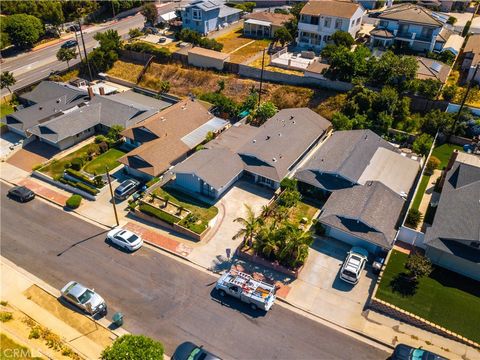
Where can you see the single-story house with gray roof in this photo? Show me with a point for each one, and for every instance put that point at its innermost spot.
(453, 241)
(48, 90)
(363, 215)
(265, 154)
(66, 119)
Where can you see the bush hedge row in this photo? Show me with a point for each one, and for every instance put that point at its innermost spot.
(161, 54)
(159, 214)
(78, 175)
(80, 186)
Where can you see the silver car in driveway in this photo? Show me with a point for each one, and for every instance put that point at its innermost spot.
(84, 298)
(125, 239)
(353, 265)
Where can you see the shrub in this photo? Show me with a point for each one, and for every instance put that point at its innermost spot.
(133, 33)
(289, 198)
(159, 214)
(103, 147)
(288, 184)
(452, 20)
(34, 333)
(422, 144)
(80, 176)
(74, 201)
(77, 164)
(449, 92)
(152, 181)
(432, 164)
(161, 54)
(133, 347)
(100, 138)
(79, 185)
(418, 266)
(413, 218)
(5, 316)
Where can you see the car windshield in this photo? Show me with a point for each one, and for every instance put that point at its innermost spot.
(87, 295)
(197, 354)
(417, 354)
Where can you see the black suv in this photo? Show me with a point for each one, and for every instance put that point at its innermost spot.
(21, 193)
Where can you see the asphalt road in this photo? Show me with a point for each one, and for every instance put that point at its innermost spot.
(160, 296)
(32, 66)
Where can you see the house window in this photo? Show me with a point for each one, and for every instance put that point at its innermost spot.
(338, 24)
(427, 33)
(327, 22)
(358, 20)
(196, 14)
(314, 20)
(383, 24)
(266, 181)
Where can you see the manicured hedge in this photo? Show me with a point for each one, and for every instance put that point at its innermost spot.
(159, 214)
(74, 201)
(80, 185)
(78, 175)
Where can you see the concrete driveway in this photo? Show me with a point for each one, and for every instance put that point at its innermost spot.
(213, 254)
(8, 142)
(32, 154)
(320, 290)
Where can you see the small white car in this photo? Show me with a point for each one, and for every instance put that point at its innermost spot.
(125, 239)
(353, 265)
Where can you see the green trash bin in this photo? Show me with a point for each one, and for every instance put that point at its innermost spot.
(117, 319)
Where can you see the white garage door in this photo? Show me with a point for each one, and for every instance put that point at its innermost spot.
(352, 240)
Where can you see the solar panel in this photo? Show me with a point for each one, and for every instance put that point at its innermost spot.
(436, 66)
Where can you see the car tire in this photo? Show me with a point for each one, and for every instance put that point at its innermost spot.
(253, 306)
(222, 293)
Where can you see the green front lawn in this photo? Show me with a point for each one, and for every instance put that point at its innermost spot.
(5, 109)
(444, 152)
(445, 298)
(205, 212)
(108, 159)
(302, 210)
(420, 192)
(55, 168)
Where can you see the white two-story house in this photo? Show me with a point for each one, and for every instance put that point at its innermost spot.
(320, 19)
(412, 26)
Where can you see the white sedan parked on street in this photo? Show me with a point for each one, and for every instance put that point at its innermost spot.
(353, 265)
(125, 239)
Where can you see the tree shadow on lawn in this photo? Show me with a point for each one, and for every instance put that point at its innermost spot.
(404, 285)
(450, 279)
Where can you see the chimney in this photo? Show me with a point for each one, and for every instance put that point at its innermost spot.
(102, 90)
(90, 92)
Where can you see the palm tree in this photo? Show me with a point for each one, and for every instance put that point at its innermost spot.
(296, 247)
(265, 211)
(250, 227)
(6, 80)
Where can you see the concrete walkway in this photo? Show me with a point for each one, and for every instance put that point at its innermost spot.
(430, 195)
(15, 282)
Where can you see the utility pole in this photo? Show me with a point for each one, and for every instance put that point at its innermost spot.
(85, 51)
(78, 45)
(111, 194)
(261, 77)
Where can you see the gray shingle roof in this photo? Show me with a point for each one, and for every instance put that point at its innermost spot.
(217, 167)
(411, 13)
(345, 153)
(282, 140)
(369, 211)
(48, 90)
(456, 223)
(138, 100)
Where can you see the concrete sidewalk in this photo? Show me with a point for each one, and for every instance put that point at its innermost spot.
(15, 282)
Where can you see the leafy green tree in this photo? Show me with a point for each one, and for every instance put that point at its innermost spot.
(250, 102)
(76, 9)
(6, 80)
(393, 70)
(427, 88)
(132, 347)
(67, 55)
(345, 65)
(341, 121)
(289, 198)
(264, 112)
(149, 11)
(246, 6)
(222, 102)
(418, 266)
(283, 36)
(24, 30)
(432, 164)
(343, 38)
(114, 132)
(437, 120)
(134, 33)
(109, 40)
(422, 144)
(449, 92)
(103, 57)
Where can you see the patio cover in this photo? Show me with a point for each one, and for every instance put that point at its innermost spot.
(454, 44)
(168, 16)
(257, 22)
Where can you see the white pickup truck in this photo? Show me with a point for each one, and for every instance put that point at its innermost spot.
(258, 294)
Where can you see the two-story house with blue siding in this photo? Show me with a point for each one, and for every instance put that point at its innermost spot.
(320, 19)
(205, 16)
(412, 26)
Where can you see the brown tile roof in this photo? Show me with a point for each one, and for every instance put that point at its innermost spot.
(426, 70)
(273, 18)
(161, 136)
(197, 50)
(343, 9)
(384, 33)
(410, 13)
